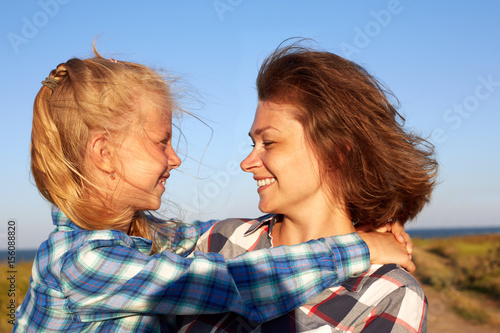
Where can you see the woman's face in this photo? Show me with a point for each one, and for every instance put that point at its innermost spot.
(282, 162)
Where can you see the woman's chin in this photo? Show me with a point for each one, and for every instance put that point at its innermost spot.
(264, 208)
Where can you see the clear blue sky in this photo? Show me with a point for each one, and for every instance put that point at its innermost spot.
(440, 58)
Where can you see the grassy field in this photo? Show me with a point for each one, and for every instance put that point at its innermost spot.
(465, 271)
(21, 279)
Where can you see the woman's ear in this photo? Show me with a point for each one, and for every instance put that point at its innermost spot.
(101, 152)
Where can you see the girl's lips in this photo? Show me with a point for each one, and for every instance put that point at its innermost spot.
(163, 180)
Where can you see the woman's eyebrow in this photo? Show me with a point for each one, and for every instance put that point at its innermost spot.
(259, 131)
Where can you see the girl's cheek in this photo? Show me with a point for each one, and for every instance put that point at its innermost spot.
(164, 159)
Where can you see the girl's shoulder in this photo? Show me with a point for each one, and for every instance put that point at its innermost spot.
(68, 242)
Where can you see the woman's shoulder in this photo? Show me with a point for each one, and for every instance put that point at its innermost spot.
(392, 279)
(383, 279)
(397, 275)
(231, 225)
(386, 298)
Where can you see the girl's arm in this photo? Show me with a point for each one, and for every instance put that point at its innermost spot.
(105, 279)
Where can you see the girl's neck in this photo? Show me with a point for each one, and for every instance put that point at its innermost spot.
(312, 224)
(125, 228)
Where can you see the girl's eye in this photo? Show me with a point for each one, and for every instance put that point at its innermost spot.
(163, 143)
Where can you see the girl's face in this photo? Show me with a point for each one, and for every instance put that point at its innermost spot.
(146, 159)
(283, 164)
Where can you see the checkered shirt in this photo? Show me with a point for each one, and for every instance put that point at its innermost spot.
(107, 281)
(384, 299)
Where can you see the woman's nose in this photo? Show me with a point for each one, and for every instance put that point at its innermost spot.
(250, 162)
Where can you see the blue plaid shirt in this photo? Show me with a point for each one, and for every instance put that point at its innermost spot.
(107, 281)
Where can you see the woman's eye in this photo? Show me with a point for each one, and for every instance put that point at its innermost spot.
(263, 143)
(267, 143)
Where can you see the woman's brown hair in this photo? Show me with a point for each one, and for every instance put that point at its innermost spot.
(368, 160)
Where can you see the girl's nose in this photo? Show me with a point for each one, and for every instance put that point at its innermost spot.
(174, 161)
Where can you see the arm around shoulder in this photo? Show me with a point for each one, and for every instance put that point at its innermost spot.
(259, 285)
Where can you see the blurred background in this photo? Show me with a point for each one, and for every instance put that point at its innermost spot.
(441, 59)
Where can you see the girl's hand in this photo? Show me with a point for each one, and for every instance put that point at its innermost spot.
(385, 249)
(398, 230)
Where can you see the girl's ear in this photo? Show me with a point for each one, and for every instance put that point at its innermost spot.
(101, 152)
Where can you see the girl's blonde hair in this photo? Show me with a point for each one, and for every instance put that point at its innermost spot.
(78, 97)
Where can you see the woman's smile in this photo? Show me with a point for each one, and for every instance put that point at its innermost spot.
(264, 183)
(284, 167)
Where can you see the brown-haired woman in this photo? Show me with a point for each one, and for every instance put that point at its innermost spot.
(330, 153)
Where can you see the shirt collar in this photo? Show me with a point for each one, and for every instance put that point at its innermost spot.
(269, 219)
(354, 283)
(63, 223)
(60, 219)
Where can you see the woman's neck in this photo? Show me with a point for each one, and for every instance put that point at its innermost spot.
(311, 224)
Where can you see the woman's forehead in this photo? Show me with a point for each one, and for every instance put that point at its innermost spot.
(271, 112)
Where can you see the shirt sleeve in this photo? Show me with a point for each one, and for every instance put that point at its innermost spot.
(105, 279)
(185, 236)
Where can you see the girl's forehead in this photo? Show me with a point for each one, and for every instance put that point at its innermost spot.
(158, 120)
(155, 108)
(155, 116)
